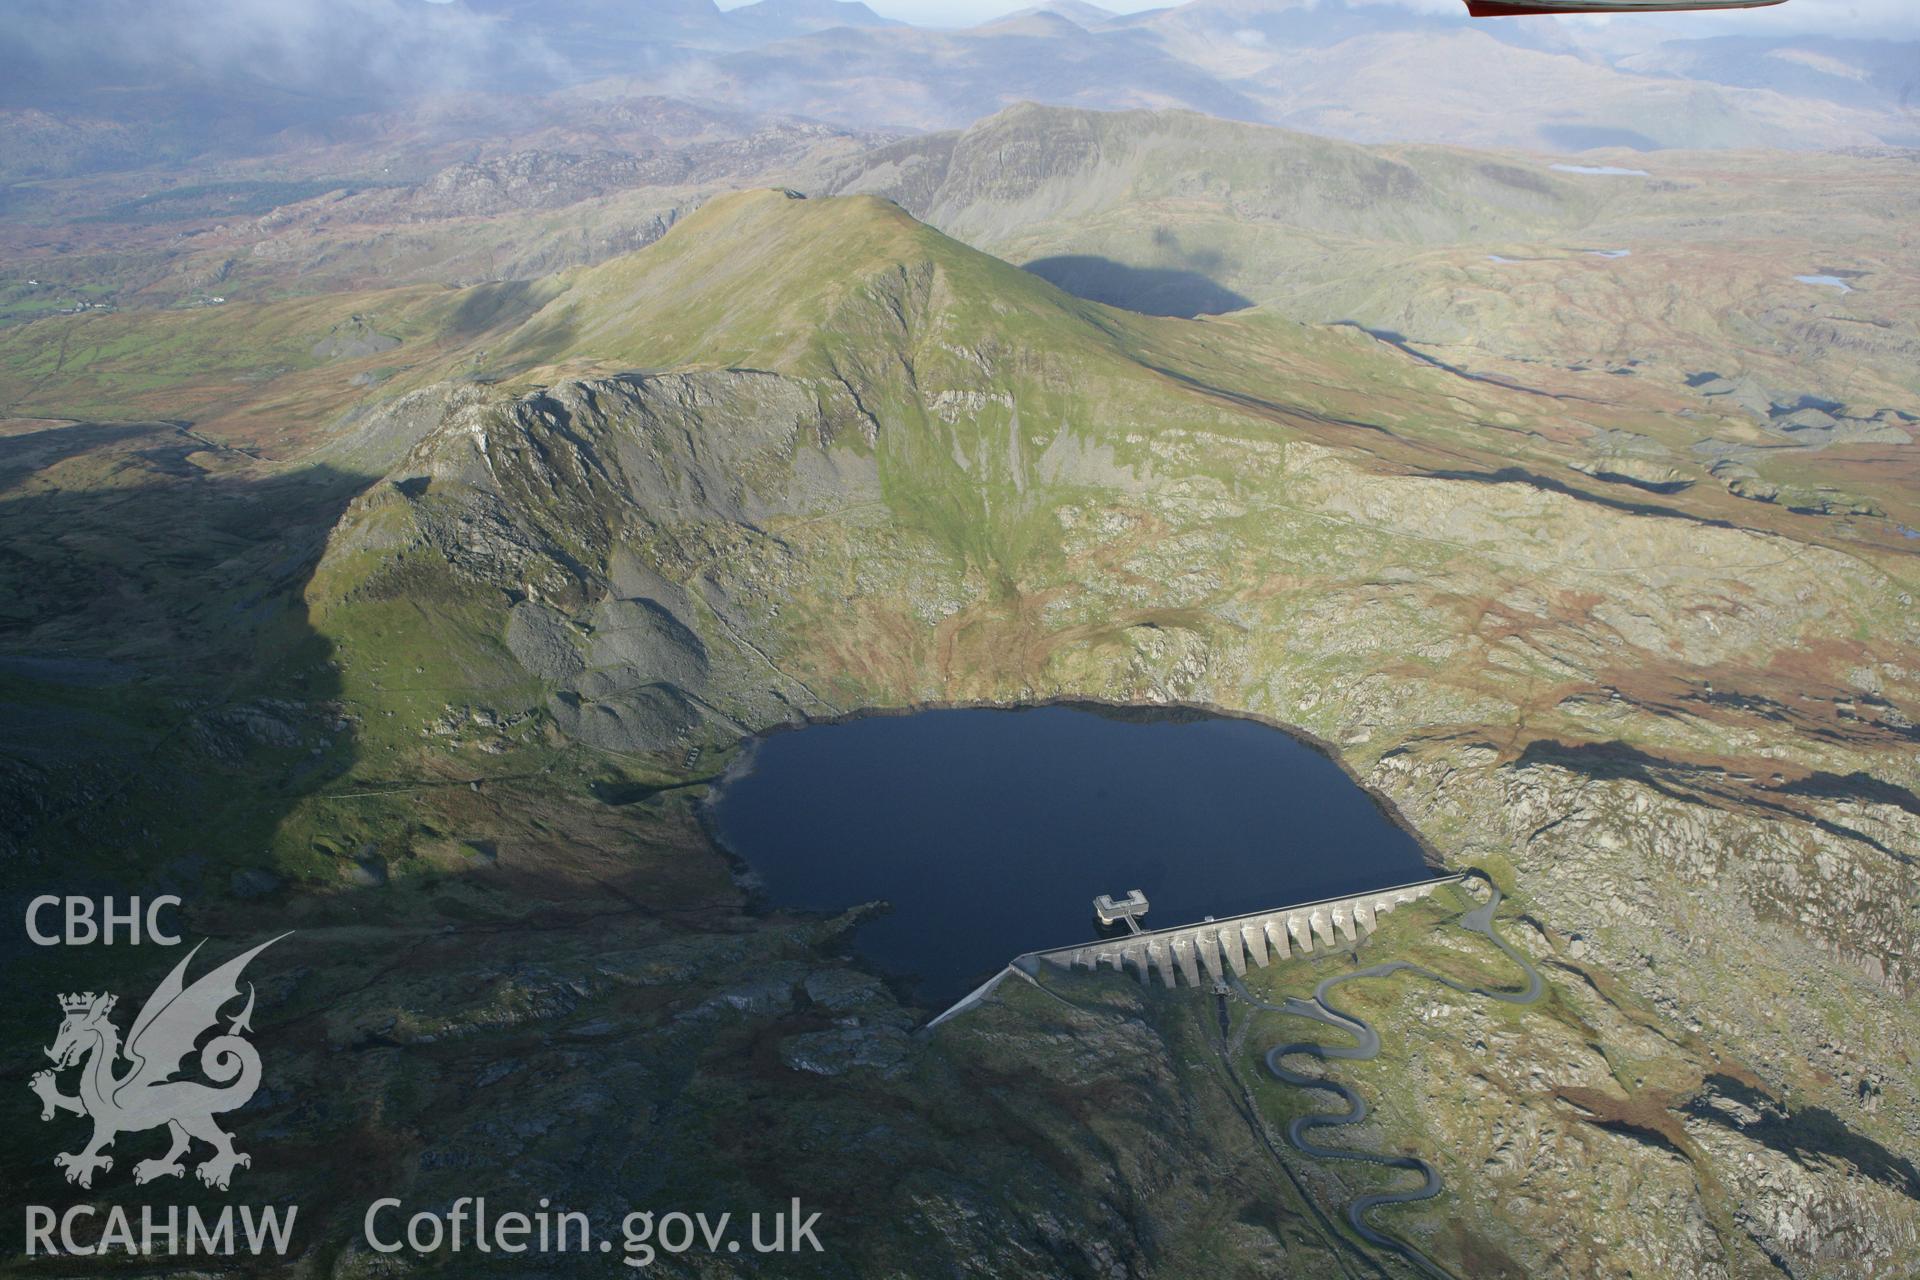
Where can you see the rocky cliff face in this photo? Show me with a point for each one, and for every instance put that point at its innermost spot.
(459, 676)
(1687, 740)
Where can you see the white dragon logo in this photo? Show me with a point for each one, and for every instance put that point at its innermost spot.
(146, 1096)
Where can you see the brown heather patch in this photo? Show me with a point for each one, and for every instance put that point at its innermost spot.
(1643, 1114)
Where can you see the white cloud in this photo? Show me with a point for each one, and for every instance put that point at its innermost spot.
(964, 13)
(1824, 17)
(327, 46)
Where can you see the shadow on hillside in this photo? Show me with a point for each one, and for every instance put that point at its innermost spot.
(30, 451)
(172, 721)
(1153, 291)
(164, 701)
(1808, 1134)
(1589, 137)
(492, 306)
(165, 705)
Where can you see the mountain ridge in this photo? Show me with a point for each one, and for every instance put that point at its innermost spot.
(462, 667)
(1336, 68)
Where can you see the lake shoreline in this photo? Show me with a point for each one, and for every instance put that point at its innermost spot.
(1136, 712)
(1321, 846)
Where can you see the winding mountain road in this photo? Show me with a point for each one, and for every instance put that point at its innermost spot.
(1367, 1045)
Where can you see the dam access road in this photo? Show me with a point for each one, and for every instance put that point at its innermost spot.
(1366, 1046)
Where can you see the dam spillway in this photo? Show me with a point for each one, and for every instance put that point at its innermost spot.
(1202, 954)
(1185, 952)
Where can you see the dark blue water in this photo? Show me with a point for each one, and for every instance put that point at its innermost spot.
(991, 832)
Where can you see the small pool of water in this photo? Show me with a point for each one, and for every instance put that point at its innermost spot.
(990, 832)
(1600, 170)
(1828, 282)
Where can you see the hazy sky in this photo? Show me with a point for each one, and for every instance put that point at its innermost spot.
(964, 13)
(1829, 17)
(961, 12)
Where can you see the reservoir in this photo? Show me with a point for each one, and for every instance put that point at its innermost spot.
(989, 832)
(1600, 170)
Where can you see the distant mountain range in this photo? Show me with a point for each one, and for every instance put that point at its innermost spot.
(596, 31)
(1368, 72)
(1477, 258)
(171, 80)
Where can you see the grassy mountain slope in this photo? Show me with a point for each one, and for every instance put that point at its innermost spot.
(801, 457)
(1674, 288)
(886, 469)
(1037, 165)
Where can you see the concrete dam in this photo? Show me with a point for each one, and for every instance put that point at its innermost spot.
(1204, 954)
